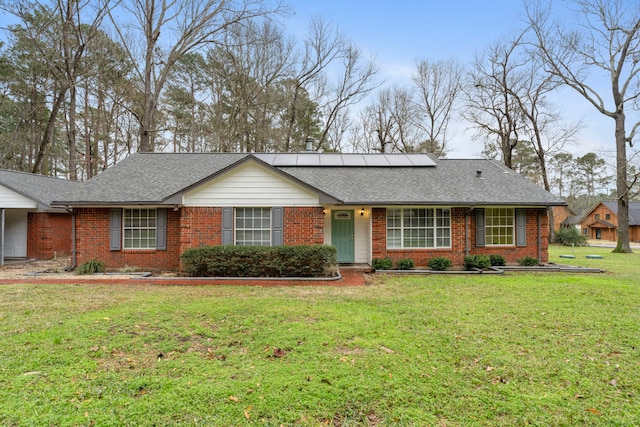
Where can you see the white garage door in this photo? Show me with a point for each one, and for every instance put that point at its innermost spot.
(15, 233)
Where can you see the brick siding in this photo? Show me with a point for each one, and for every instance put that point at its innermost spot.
(459, 218)
(92, 241)
(48, 234)
(198, 226)
(186, 228)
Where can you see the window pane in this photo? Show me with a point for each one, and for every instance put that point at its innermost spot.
(253, 226)
(417, 227)
(139, 229)
(499, 226)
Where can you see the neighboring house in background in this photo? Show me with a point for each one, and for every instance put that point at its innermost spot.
(149, 208)
(563, 217)
(29, 226)
(601, 222)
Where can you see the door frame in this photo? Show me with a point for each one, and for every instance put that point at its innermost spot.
(351, 256)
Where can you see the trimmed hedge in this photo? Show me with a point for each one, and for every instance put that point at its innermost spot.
(528, 261)
(440, 263)
(382, 263)
(405, 264)
(259, 261)
(477, 261)
(497, 260)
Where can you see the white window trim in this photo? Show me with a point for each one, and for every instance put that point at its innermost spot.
(435, 228)
(236, 228)
(487, 227)
(125, 228)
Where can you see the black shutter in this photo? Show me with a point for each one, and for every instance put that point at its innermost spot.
(115, 227)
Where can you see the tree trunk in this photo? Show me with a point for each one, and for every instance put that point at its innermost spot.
(48, 131)
(71, 137)
(623, 245)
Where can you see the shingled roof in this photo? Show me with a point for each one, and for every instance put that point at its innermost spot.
(42, 189)
(351, 179)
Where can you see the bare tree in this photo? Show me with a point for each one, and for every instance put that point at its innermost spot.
(388, 123)
(606, 38)
(170, 30)
(491, 109)
(439, 86)
(58, 32)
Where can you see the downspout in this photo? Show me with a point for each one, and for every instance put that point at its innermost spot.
(467, 219)
(539, 238)
(1, 236)
(73, 239)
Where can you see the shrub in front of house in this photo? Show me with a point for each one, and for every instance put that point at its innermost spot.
(91, 266)
(382, 263)
(477, 261)
(570, 236)
(497, 260)
(440, 263)
(528, 261)
(259, 261)
(405, 264)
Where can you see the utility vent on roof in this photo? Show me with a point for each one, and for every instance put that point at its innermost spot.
(308, 148)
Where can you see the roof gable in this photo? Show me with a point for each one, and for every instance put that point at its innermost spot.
(250, 184)
(12, 199)
(39, 190)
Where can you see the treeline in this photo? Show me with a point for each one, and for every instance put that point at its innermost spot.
(85, 84)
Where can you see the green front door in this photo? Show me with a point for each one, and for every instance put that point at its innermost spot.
(342, 235)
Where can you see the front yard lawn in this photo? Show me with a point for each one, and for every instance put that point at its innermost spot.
(518, 349)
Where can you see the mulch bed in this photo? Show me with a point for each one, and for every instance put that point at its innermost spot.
(350, 277)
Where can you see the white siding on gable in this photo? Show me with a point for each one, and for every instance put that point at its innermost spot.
(250, 185)
(12, 200)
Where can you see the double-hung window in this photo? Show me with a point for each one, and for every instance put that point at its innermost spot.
(499, 226)
(139, 229)
(418, 228)
(253, 226)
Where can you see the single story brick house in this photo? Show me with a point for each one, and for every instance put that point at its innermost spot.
(149, 208)
(601, 222)
(30, 227)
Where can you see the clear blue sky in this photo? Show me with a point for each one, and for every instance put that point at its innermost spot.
(398, 33)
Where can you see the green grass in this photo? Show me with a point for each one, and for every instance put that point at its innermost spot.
(517, 349)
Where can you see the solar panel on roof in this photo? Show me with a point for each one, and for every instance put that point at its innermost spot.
(353, 160)
(376, 160)
(347, 159)
(285, 160)
(331, 160)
